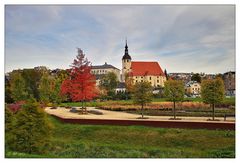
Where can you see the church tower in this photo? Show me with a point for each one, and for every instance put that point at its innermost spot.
(126, 63)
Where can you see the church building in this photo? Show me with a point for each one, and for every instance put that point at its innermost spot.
(141, 71)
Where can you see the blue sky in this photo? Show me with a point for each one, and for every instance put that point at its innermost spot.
(182, 38)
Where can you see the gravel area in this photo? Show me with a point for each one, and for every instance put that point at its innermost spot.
(65, 113)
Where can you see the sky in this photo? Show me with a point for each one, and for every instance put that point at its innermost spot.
(182, 38)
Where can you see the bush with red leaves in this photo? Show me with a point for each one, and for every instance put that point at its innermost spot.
(14, 107)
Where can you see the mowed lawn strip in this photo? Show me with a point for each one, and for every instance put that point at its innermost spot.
(102, 141)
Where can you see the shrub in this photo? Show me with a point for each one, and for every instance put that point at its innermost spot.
(31, 129)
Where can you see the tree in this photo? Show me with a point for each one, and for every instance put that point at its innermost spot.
(142, 94)
(9, 127)
(18, 87)
(81, 84)
(212, 92)
(45, 88)
(32, 129)
(56, 97)
(129, 83)
(196, 77)
(174, 91)
(166, 74)
(109, 82)
(8, 93)
(32, 78)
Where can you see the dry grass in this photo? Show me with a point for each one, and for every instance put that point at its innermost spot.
(155, 105)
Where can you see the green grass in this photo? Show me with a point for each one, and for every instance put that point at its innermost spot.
(99, 141)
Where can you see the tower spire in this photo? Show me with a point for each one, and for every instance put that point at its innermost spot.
(126, 55)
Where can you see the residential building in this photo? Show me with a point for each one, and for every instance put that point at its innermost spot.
(121, 87)
(229, 83)
(193, 88)
(100, 70)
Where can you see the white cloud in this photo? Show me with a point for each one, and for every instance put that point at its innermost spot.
(172, 35)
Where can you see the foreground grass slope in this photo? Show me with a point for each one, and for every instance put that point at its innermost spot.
(89, 141)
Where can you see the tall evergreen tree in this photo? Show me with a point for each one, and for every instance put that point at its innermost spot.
(32, 129)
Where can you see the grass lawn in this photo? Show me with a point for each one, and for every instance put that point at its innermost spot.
(98, 141)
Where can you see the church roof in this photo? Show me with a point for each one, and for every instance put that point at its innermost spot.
(146, 68)
(126, 55)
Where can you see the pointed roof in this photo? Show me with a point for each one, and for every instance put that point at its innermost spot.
(146, 68)
(126, 55)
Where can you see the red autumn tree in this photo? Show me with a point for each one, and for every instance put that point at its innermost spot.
(81, 84)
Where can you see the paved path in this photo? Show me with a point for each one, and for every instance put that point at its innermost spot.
(114, 115)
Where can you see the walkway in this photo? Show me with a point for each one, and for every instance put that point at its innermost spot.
(115, 115)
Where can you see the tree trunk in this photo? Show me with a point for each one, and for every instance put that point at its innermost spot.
(142, 110)
(213, 112)
(82, 106)
(174, 111)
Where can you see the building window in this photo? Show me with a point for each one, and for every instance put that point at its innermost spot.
(136, 81)
(141, 80)
(157, 81)
(141, 76)
(150, 78)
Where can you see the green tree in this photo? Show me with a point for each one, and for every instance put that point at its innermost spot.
(9, 128)
(109, 82)
(8, 93)
(196, 77)
(18, 87)
(32, 78)
(45, 88)
(212, 92)
(174, 91)
(55, 96)
(32, 129)
(142, 94)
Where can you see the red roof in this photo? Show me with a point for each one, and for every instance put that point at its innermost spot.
(146, 68)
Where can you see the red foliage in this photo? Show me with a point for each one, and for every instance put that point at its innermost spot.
(81, 84)
(16, 106)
